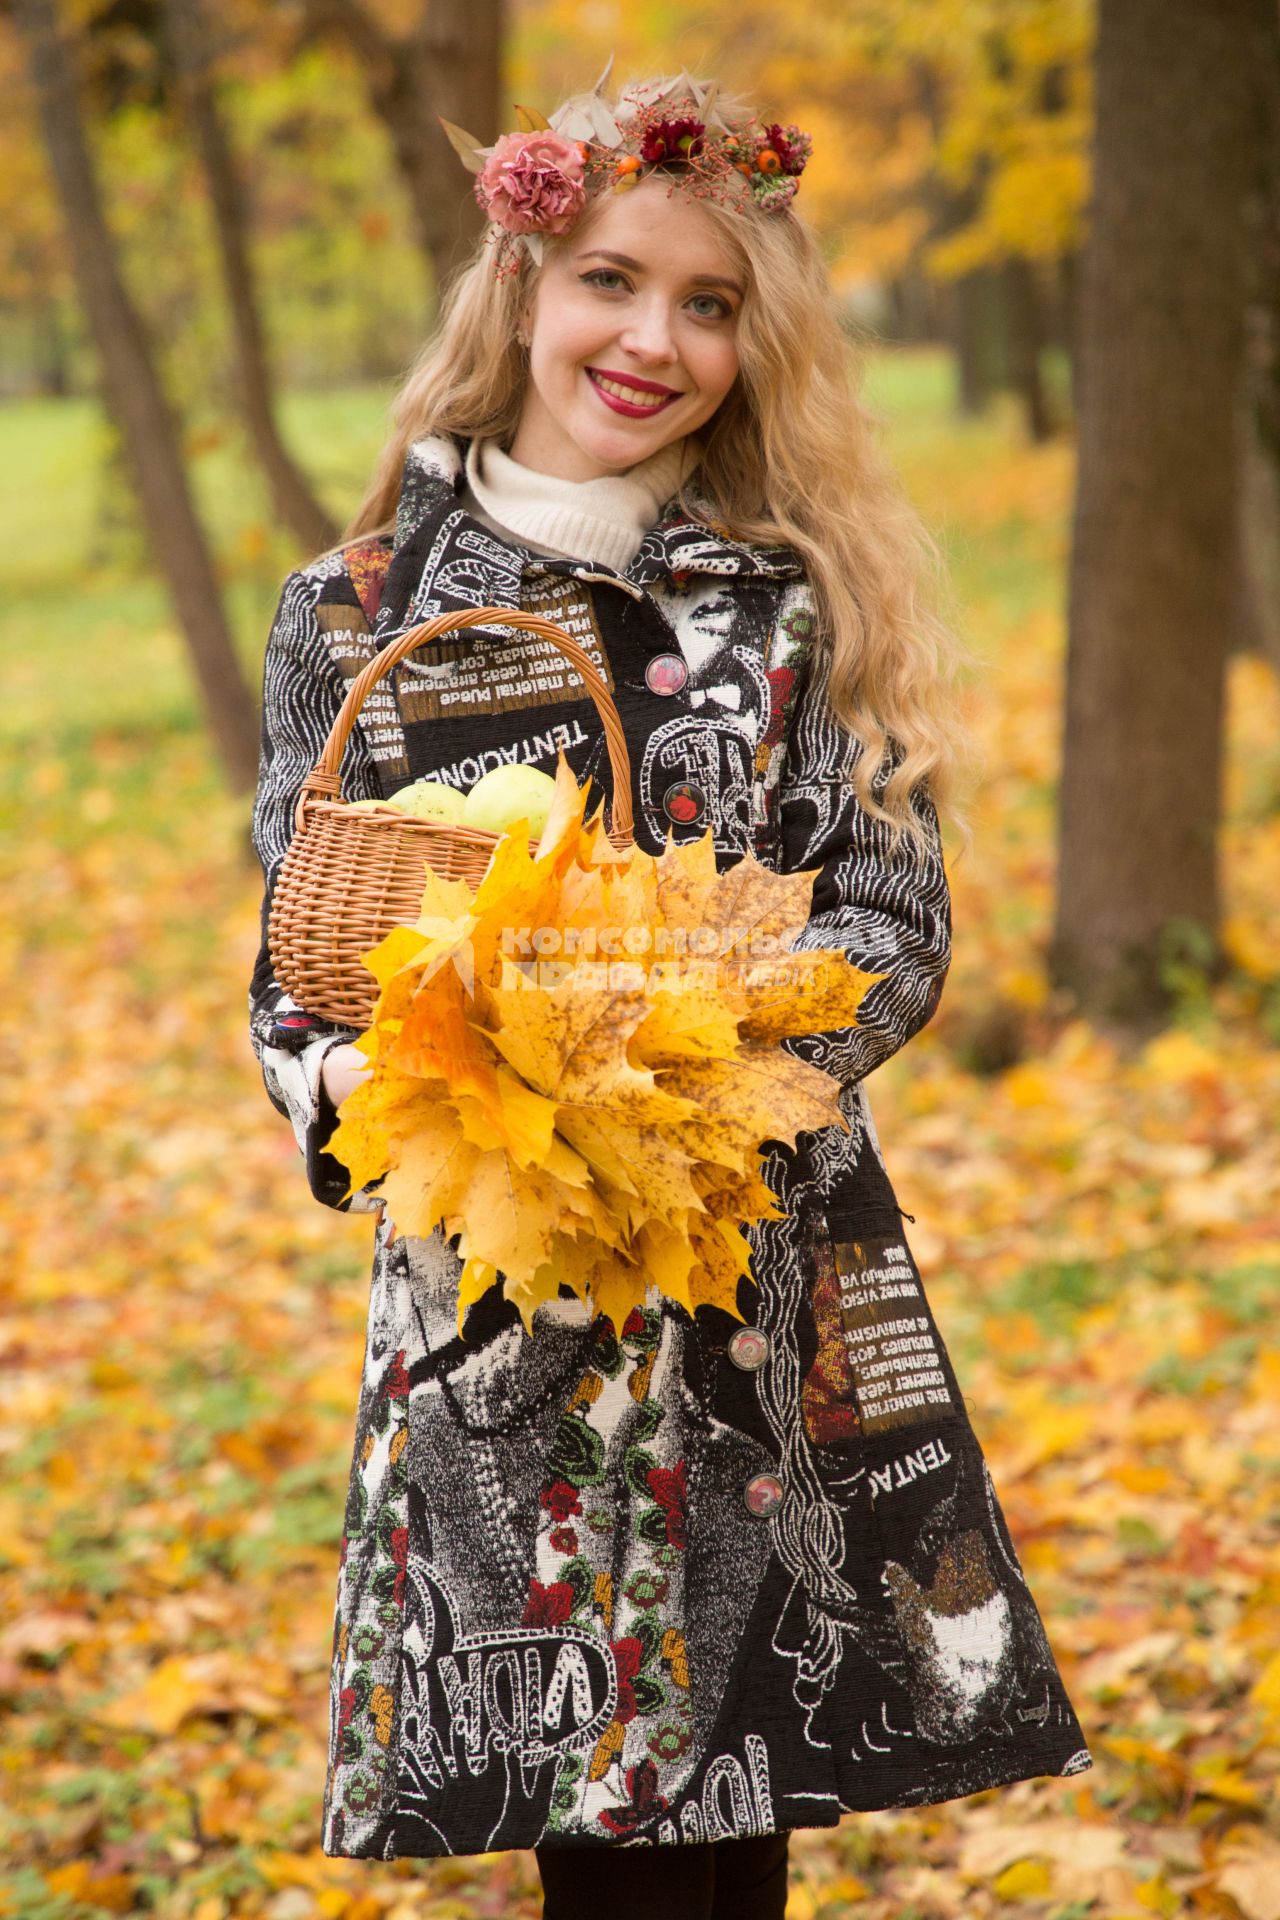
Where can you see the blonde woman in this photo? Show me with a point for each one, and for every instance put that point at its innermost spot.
(684, 1585)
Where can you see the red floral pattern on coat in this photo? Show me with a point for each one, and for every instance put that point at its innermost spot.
(395, 1381)
(548, 1606)
(781, 680)
(560, 1499)
(628, 1655)
(400, 1560)
(670, 1488)
(646, 1801)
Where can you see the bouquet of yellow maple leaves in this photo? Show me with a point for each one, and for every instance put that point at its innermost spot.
(575, 1065)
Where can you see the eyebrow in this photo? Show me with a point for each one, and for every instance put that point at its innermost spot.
(625, 260)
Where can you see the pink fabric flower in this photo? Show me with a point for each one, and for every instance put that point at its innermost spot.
(533, 183)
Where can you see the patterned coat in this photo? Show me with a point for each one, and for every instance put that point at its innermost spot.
(679, 1580)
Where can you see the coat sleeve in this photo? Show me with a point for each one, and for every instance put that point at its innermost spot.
(886, 913)
(302, 691)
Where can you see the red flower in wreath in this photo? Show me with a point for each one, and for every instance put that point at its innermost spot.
(791, 153)
(564, 1540)
(669, 140)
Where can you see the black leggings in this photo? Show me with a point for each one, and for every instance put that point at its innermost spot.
(710, 1880)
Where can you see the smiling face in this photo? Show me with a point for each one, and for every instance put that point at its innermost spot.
(632, 336)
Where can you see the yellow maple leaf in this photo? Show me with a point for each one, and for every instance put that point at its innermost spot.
(682, 1023)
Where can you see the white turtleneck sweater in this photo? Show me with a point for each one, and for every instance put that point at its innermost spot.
(604, 519)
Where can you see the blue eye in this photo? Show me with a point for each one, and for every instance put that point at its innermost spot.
(610, 280)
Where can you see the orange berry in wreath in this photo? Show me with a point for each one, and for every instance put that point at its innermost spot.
(767, 161)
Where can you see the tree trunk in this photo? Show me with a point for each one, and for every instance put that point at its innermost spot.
(912, 309)
(1064, 321)
(1259, 529)
(137, 399)
(450, 64)
(53, 348)
(291, 495)
(1022, 295)
(1151, 587)
(977, 337)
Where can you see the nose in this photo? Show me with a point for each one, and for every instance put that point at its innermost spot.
(647, 334)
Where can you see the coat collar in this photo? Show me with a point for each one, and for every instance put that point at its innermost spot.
(434, 476)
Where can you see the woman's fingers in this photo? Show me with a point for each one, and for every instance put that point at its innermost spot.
(344, 1069)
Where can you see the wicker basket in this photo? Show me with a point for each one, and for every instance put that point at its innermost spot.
(351, 874)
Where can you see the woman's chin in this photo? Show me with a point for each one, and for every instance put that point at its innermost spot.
(614, 452)
(617, 439)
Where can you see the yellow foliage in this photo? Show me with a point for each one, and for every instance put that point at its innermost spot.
(112, 1892)
(1024, 1880)
(596, 1126)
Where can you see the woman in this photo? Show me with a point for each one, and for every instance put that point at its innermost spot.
(685, 1582)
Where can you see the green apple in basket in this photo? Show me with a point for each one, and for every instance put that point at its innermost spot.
(507, 794)
(430, 800)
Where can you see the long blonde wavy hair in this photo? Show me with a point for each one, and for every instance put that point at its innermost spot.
(792, 457)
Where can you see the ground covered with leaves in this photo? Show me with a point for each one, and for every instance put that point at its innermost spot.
(1099, 1230)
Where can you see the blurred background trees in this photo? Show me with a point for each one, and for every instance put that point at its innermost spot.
(208, 212)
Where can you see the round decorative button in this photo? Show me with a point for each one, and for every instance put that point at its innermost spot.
(763, 1495)
(749, 1349)
(666, 673)
(684, 802)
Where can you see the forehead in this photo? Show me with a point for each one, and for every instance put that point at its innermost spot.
(660, 226)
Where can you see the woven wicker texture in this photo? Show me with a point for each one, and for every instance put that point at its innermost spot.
(351, 874)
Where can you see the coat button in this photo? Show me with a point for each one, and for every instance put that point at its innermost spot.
(763, 1495)
(749, 1349)
(684, 802)
(666, 673)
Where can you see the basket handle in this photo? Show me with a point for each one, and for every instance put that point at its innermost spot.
(324, 780)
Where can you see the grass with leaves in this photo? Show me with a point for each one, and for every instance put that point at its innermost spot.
(183, 1326)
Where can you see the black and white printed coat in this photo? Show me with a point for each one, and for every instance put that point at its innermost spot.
(666, 1582)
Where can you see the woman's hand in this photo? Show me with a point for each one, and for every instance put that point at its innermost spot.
(342, 1071)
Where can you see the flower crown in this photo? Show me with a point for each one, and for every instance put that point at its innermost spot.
(538, 179)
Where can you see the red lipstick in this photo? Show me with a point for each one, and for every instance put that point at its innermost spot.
(632, 380)
(644, 410)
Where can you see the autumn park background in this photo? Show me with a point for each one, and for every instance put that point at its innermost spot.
(1057, 228)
